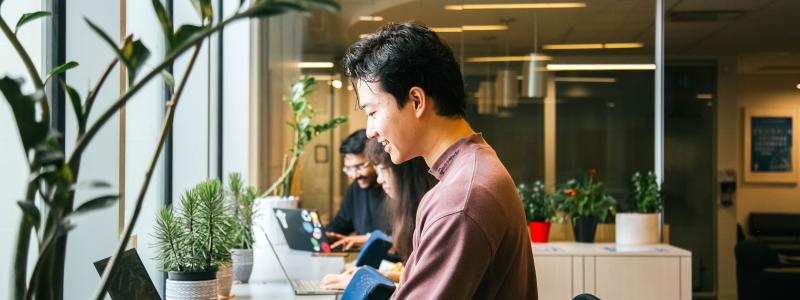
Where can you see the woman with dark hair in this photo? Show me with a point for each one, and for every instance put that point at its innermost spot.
(404, 185)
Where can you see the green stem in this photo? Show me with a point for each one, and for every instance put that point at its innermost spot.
(87, 107)
(20, 268)
(101, 289)
(286, 172)
(26, 60)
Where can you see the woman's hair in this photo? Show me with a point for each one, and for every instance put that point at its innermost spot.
(412, 181)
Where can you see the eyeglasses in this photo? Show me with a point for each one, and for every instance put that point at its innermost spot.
(357, 168)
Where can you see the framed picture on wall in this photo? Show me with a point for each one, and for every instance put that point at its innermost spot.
(770, 145)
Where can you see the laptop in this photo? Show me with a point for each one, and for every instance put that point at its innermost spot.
(300, 286)
(130, 279)
(303, 230)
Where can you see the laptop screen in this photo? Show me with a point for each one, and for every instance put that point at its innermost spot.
(130, 279)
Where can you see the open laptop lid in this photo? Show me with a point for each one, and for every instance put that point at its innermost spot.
(286, 274)
(130, 279)
(302, 229)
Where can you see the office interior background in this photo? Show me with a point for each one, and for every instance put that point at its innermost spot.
(718, 58)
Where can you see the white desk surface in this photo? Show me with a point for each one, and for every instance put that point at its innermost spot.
(606, 249)
(268, 282)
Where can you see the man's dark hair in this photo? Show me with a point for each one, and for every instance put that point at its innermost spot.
(354, 143)
(401, 56)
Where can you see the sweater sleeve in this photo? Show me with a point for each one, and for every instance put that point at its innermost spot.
(450, 262)
(343, 222)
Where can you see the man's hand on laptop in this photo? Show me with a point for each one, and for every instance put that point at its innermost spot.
(338, 281)
(348, 242)
(334, 236)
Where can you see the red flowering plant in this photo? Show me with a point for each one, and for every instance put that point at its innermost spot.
(585, 197)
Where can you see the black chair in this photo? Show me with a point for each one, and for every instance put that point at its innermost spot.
(760, 273)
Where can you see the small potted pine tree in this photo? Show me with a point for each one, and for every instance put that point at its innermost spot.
(240, 201)
(191, 240)
(586, 201)
(539, 210)
(640, 226)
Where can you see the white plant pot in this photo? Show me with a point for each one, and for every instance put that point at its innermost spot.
(191, 289)
(636, 229)
(242, 264)
(265, 266)
(225, 281)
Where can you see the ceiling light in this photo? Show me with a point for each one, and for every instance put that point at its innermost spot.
(703, 96)
(592, 46)
(363, 35)
(509, 58)
(798, 86)
(315, 65)
(470, 28)
(599, 67)
(336, 83)
(515, 6)
(370, 18)
(587, 79)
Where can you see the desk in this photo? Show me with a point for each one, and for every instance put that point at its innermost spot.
(268, 282)
(564, 270)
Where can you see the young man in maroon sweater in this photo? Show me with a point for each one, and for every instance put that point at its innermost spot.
(470, 240)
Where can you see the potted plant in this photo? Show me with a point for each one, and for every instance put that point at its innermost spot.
(539, 210)
(641, 225)
(586, 201)
(192, 242)
(240, 201)
(54, 174)
(279, 194)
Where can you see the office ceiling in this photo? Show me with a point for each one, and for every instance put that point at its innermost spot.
(756, 29)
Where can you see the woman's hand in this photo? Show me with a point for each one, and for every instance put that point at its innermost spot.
(350, 241)
(338, 281)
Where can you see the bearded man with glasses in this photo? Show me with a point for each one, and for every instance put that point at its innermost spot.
(362, 208)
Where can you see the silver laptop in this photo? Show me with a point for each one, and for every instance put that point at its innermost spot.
(300, 286)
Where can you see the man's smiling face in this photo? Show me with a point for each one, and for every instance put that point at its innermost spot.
(392, 126)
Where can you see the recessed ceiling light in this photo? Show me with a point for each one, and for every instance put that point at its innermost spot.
(587, 79)
(315, 65)
(592, 46)
(515, 6)
(599, 67)
(370, 18)
(704, 96)
(798, 86)
(336, 83)
(470, 28)
(509, 58)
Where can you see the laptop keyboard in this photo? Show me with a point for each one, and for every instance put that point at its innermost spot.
(307, 286)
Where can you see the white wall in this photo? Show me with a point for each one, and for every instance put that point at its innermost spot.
(12, 157)
(144, 119)
(95, 237)
(236, 70)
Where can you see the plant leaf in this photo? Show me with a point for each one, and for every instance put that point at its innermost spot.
(106, 38)
(30, 213)
(204, 9)
(169, 81)
(63, 68)
(183, 34)
(91, 184)
(136, 54)
(30, 17)
(75, 99)
(31, 131)
(94, 204)
(270, 8)
(330, 5)
(163, 18)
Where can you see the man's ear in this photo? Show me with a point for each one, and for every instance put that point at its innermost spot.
(418, 100)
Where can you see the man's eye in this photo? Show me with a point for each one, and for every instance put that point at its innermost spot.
(372, 114)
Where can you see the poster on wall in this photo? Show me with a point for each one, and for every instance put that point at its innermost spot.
(770, 148)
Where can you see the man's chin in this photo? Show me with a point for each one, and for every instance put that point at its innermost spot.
(363, 183)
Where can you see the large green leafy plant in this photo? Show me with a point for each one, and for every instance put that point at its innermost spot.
(647, 196)
(196, 238)
(585, 197)
(241, 199)
(53, 174)
(537, 203)
(304, 131)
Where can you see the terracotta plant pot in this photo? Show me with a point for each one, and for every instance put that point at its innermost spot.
(192, 286)
(585, 228)
(637, 229)
(225, 281)
(540, 231)
(242, 264)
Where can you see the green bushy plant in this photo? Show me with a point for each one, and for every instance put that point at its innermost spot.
(585, 197)
(537, 203)
(241, 199)
(647, 196)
